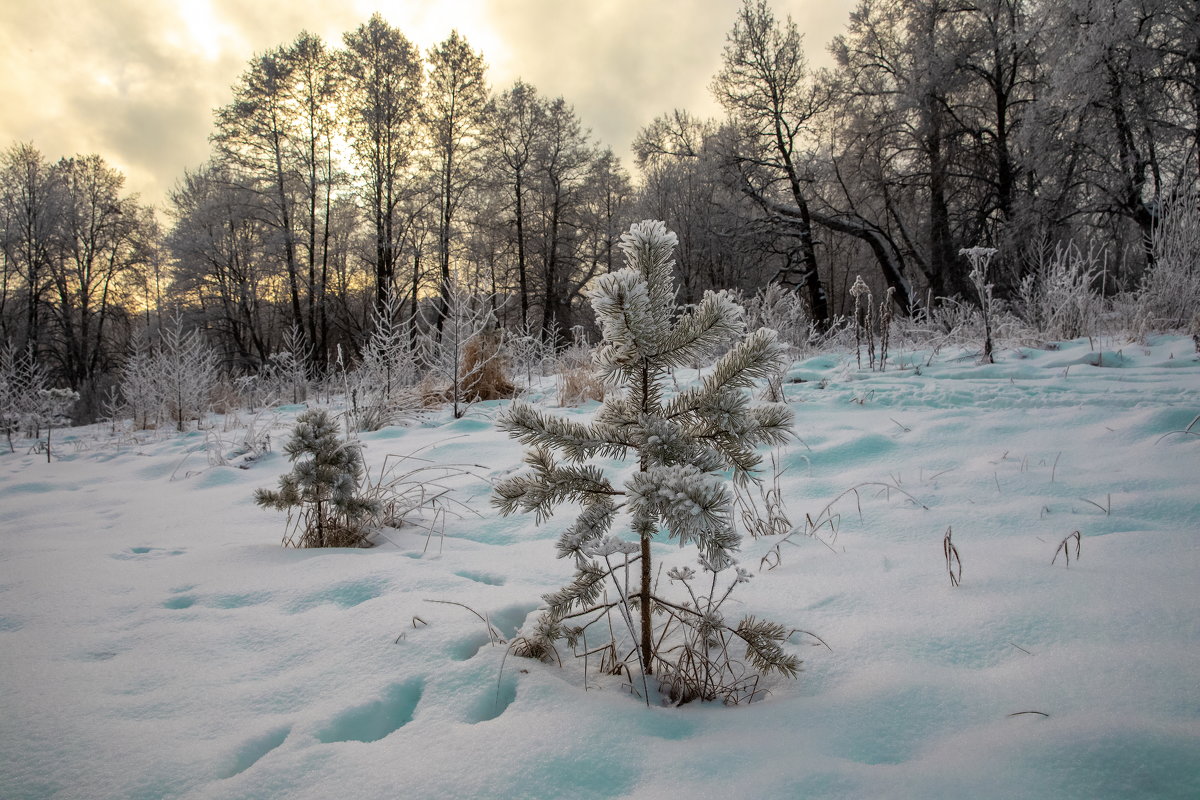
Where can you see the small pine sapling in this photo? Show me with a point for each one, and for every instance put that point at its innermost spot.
(322, 490)
(682, 445)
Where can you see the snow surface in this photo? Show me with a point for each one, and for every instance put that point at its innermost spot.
(156, 640)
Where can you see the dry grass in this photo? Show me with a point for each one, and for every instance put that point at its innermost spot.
(578, 382)
(579, 385)
(1065, 549)
(483, 368)
(953, 562)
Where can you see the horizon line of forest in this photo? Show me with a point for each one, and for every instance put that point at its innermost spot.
(349, 179)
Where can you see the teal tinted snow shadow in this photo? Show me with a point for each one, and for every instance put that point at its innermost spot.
(508, 530)
(39, 487)
(345, 595)
(377, 719)
(1161, 423)
(468, 646)
(390, 432)
(671, 724)
(591, 774)
(1137, 762)
(240, 600)
(143, 552)
(9, 624)
(495, 701)
(180, 602)
(219, 476)
(481, 577)
(888, 729)
(509, 620)
(470, 425)
(154, 472)
(253, 750)
(868, 447)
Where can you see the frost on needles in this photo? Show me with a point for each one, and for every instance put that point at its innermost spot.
(688, 445)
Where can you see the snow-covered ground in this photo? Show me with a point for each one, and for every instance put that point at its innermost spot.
(157, 641)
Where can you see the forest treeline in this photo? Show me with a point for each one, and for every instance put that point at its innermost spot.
(363, 178)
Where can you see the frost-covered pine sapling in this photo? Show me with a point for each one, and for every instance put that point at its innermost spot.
(321, 493)
(685, 447)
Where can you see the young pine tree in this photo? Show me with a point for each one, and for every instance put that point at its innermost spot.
(323, 485)
(684, 445)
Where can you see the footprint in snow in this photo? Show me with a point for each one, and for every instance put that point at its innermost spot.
(253, 750)
(481, 577)
(145, 553)
(376, 719)
(494, 701)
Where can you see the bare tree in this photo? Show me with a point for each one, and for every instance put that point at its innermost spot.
(766, 88)
(381, 105)
(455, 99)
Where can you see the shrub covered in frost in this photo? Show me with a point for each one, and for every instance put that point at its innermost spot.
(1169, 293)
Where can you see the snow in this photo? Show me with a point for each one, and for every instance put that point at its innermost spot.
(157, 641)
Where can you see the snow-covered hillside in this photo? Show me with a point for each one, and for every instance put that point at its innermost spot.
(157, 641)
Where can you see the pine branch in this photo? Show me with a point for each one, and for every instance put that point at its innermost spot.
(756, 357)
(716, 320)
(577, 441)
(764, 646)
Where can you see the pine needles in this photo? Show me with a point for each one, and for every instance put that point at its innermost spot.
(687, 449)
(321, 493)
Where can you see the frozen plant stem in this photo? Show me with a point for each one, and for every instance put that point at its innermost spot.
(952, 559)
(1064, 548)
(980, 259)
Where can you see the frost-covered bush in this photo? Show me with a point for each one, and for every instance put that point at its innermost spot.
(576, 376)
(381, 388)
(468, 329)
(783, 311)
(1059, 298)
(483, 375)
(686, 447)
(528, 352)
(185, 368)
(1169, 293)
(143, 396)
(173, 380)
(322, 493)
(285, 376)
(22, 381)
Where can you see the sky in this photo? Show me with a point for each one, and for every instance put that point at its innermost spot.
(137, 80)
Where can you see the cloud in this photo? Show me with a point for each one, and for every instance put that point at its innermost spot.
(137, 80)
